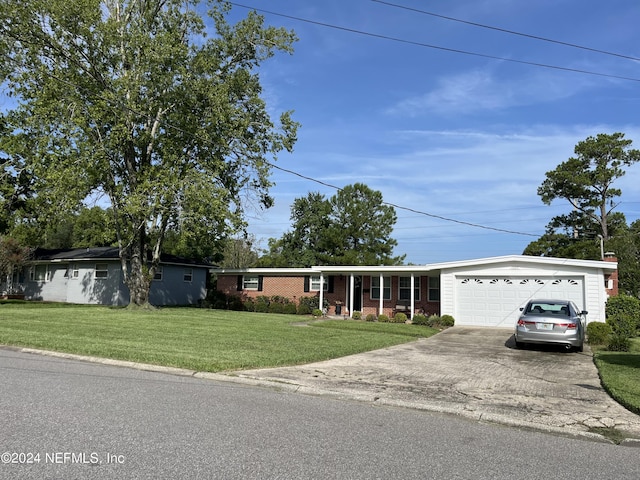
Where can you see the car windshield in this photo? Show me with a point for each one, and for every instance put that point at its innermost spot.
(546, 308)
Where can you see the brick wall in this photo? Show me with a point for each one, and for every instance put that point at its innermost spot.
(372, 306)
(611, 281)
(292, 287)
(289, 287)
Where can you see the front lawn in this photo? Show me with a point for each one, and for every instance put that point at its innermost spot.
(620, 375)
(197, 339)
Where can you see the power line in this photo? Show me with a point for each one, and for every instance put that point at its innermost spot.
(437, 47)
(168, 125)
(297, 174)
(511, 32)
(408, 209)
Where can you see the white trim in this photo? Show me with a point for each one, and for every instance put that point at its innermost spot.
(433, 267)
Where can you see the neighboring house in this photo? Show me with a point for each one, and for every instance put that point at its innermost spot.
(482, 292)
(94, 276)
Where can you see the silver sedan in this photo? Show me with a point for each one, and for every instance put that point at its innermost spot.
(558, 322)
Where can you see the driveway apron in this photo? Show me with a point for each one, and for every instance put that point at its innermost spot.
(474, 372)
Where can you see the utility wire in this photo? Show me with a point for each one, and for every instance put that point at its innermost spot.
(408, 209)
(286, 170)
(511, 32)
(436, 47)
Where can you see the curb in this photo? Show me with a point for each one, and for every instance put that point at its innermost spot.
(239, 378)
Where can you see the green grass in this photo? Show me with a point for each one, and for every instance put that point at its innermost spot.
(620, 375)
(197, 339)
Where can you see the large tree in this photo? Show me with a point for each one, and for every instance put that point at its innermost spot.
(305, 244)
(353, 227)
(133, 100)
(360, 233)
(586, 180)
(593, 226)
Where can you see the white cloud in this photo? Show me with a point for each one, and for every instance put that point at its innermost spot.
(486, 89)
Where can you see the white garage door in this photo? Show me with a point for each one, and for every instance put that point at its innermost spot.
(495, 301)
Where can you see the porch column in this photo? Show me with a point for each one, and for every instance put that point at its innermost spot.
(321, 306)
(380, 308)
(351, 289)
(413, 296)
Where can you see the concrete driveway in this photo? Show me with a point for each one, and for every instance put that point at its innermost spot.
(474, 372)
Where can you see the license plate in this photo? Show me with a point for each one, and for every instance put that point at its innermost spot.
(544, 326)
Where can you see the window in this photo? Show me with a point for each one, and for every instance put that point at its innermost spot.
(375, 288)
(188, 275)
(71, 271)
(102, 270)
(404, 288)
(315, 284)
(250, 282)
(158, 275)
(39, 273)
(434, 289)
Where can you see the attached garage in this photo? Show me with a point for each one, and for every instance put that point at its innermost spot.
(490, 291)
(495, 301)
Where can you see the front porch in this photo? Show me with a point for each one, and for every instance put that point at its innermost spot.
(386, 290)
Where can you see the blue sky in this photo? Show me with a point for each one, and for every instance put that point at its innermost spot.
(449, 134)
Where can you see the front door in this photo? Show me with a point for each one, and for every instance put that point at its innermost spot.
(357, 295)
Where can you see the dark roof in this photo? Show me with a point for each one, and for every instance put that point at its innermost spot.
(104, 253)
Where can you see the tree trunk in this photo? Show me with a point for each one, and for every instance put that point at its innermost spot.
(138, 279)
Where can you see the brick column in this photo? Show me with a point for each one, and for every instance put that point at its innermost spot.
(611, 281)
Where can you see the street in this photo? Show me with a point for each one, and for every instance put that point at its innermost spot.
(67, 419)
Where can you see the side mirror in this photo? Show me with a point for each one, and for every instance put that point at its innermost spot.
(584, 312)
(521, 308)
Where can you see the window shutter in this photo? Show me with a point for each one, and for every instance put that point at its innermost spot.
(330, 286)
(239, 287)
(307, 279)
(260, 278)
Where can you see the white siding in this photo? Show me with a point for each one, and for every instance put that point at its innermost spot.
(589, 293)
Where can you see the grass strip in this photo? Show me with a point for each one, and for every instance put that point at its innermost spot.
(620, 375)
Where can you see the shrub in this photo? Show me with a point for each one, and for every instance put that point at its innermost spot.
(235, 303)
(304, 308)
(433, 321)
(623, 314)
(619, 343)
(222, 301)
(276, 307)
(262, 304)
(357, 315)
(419, 319)
(312, 303)
(383, 318)
(370, 318)
(316, 312)
(598, 333)
(216, 299)
(290, 308)
(400, 318)
(447, 321)
(249, 305)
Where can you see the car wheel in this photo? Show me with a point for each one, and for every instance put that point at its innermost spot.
(519, 345)
(580, 348)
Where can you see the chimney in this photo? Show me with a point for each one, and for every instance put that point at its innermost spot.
(611, 280)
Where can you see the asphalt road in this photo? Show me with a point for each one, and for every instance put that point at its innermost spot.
(69, 419)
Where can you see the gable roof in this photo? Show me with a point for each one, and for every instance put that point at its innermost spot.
(104, 253)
